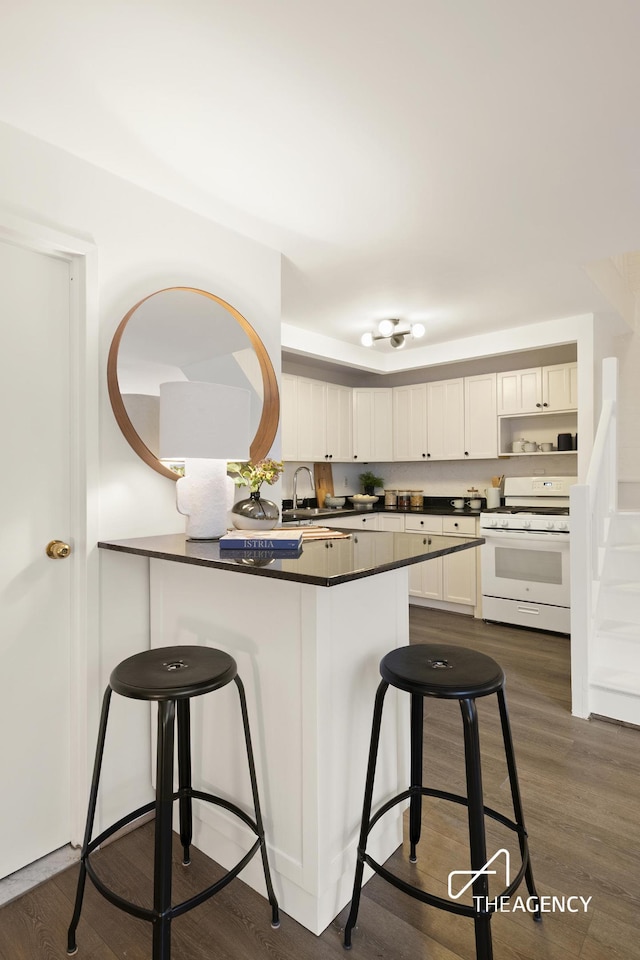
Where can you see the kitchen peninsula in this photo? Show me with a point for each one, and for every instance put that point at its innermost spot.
(308, 635)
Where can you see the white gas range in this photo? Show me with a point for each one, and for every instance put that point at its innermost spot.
(525, 557)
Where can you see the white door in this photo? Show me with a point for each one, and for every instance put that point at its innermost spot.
(34, 590)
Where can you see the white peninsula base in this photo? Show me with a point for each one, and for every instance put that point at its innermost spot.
(308, 657)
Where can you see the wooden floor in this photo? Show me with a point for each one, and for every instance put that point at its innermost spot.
(580, 783)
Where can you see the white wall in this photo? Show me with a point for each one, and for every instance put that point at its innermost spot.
(143, 243)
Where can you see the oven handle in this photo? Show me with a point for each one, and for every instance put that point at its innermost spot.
(528, 536)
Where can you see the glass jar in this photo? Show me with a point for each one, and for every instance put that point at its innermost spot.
(404, 500)
(417, 499)
(390, 499)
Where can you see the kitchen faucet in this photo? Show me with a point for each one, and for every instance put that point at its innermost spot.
(295, 485)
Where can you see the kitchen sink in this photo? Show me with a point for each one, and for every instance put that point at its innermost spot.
(306, 513)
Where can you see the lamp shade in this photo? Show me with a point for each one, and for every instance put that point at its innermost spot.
(207, 421)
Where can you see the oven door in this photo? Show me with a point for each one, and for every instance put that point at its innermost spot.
(526, 566)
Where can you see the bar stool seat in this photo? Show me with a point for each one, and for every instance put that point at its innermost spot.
(446, 672)
(171, 676)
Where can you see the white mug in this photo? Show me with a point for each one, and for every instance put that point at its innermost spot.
(458, 504)
(475, 503)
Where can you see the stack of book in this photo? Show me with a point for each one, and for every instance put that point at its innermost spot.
(280, 544)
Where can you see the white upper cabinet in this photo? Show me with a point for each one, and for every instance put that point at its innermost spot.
(480, 421)
(410, 422)
(538, 390)
(560, 387)
(312, 419)
(339, 430)
(445, 420)
(289, 416)
(372, 424)
(316, 420)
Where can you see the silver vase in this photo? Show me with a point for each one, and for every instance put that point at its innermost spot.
(255, 513)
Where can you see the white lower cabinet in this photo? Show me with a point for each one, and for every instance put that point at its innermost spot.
(452, 578)
(394, 524)
(355, 522)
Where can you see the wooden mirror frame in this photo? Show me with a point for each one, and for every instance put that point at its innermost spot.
(268, 425)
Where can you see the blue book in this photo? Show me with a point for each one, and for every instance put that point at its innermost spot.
(262, 540)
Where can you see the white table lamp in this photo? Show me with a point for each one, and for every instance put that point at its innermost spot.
(204, 424)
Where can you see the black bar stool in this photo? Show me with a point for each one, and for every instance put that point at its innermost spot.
(170, 676)
(452, 673)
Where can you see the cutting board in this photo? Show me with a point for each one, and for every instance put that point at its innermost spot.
(323, 479)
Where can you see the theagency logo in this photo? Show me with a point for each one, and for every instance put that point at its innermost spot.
(546, 904)
(483, 871)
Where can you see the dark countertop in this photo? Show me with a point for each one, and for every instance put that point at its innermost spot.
(433, 507)
(324, 563)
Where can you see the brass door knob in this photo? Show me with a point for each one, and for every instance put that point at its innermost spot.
(58, 550)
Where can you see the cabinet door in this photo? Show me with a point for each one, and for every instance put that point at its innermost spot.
(339, 422)
(519, 391)
(459, 577)
(425, 579)
(362, 424)
(382, 426)
(372, 424)
(480, 417)
(560, 387)
(410, 422)
(289, 399)
(459, 569)
(445, 419)
(312, 436)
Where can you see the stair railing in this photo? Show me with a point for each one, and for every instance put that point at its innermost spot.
(592, 505)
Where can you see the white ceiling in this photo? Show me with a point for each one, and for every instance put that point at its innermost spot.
(453, 161)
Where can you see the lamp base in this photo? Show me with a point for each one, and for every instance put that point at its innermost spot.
(201, 495)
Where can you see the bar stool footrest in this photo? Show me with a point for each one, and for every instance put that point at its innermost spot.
(145, 913)
(431, 898)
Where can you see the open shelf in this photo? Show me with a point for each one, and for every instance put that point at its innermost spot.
(536, 427)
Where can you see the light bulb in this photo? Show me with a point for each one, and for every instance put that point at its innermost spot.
(367, 339)
(397, 341)
(418, 330)
(386, 327)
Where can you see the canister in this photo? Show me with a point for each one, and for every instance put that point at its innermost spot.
(416, 499)
(404, 500)
(390, 499)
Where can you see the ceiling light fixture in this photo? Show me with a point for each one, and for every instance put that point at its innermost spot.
(388, 330)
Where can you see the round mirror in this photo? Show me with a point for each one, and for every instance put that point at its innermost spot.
(181, 333)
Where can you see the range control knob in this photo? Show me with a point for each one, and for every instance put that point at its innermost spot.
(562, 525)
(526, 524)
(504, 523)
(551, 524)
(493, 522)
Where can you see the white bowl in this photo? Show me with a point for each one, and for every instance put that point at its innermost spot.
(330, 501)
(363, 498)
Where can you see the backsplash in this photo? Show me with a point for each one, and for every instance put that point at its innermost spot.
(444, 478)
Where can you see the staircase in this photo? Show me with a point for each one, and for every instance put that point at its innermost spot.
(605, 591)
(615, 666)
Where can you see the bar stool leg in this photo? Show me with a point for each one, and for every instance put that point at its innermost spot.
(275, 912)
(72, 947)
(184, 779)
(415, 806)
(477, 838)
(163, 830)
(366, 812)
(517, 802)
